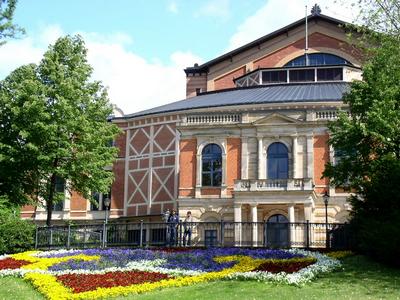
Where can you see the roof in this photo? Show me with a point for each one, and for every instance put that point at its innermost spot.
(204, 67)
(264, 94)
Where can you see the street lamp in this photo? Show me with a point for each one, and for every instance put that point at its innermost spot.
(325, 196)
(106, 203)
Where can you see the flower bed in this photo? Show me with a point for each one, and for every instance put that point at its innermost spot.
(96, 273)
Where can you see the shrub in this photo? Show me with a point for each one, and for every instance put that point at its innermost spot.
(16, 235)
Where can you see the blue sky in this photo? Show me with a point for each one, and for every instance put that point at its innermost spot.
(139, 48)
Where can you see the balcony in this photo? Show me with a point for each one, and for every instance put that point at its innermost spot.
(211, 119)
(262, 185)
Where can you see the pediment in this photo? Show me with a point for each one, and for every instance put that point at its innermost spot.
(275, 119)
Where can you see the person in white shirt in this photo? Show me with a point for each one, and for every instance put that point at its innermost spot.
(187, 226)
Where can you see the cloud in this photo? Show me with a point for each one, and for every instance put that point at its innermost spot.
(215, 8)
(279, 13)
(134, 83)
(172, 7)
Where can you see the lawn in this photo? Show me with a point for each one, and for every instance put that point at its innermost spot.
(359, 279)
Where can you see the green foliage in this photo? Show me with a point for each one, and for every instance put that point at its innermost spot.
(16, 235)
(7, 28)
(369, 139)
(54, 125)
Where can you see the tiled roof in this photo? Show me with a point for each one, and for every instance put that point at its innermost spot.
(282, 93)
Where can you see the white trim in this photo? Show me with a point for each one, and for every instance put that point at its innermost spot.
(126, 171)
(201, 143)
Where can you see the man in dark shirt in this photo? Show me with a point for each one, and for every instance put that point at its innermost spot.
(173, 222)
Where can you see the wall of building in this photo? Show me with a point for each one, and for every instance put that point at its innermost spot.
(195, 82)
(150, 167)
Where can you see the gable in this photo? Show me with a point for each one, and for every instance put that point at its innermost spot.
(275, 119)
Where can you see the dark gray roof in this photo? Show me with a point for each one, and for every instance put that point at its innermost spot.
(282, 93)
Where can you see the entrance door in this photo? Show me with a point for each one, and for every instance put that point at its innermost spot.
(277, 231)
(210, 238)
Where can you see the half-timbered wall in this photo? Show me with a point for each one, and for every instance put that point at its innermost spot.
(150, 169)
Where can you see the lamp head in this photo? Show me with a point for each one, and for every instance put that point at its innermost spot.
(325, 196)
(107, 202)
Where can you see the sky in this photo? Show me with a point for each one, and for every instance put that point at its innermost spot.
(139, 48)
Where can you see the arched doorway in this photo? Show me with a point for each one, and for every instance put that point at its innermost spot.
(278, 161)
(277, 231)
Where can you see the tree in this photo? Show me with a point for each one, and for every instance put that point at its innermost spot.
(54, 125)
(368, 138)
(7, 28)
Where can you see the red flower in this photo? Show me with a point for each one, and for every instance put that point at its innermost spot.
(89, 282)
(11, 263)
(289, 267)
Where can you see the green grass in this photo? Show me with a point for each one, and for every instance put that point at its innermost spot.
(360, 278)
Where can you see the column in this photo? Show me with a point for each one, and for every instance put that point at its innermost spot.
(254, 221)
(295, 174)
(308, 212)
(237, 218)
(223, 179)
(291, 225)
(245, 158)
(310, 156)
(260, 158)
(198, 176)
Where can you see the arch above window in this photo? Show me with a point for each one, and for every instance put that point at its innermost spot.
(278, 161)
(318, 59)
(211, 160)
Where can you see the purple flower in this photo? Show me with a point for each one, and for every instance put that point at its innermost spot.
(196, 259)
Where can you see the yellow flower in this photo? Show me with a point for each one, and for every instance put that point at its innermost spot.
(42, 263)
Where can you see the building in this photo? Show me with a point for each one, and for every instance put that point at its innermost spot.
(248, 144)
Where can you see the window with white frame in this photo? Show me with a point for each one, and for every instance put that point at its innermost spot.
(211, 165)
(59, 199)
(98, 201)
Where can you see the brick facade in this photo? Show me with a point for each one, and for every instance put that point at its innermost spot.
(315, 40)
(321, 158)
(187, 167)
(226, 81)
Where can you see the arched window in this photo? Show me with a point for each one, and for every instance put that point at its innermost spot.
(318, 59)
(278, 161)
(211, 165)
(277, 219)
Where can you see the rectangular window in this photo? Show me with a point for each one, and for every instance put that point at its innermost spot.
(98, 203)
(301, 75)
(158, 236)
(99, 200)
(274, 77)
(210, 238)
(330, 74)
(59, 194)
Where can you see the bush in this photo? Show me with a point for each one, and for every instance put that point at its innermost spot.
(16, 235)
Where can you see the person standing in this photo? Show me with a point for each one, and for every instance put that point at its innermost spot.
(173, 222)
(187, 226)
(166, 220)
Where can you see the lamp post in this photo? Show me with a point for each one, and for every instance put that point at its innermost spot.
(106, 203)
(325, 196)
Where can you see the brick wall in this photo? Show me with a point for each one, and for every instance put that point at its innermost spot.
(233, 161)
(321, 157)
(187, 171)
(151, 168)
(226, 81)
(195, 81)
(315, 40)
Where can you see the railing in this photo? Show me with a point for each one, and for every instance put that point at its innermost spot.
(198, 234)
(326, 115)
(257, 185)
(212, 119)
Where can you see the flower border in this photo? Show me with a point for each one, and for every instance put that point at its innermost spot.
(45, 281)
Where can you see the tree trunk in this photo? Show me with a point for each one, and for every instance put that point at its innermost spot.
(49, 202)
